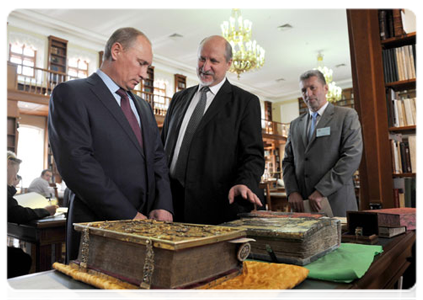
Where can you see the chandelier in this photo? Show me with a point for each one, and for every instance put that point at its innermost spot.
(334, 92)
(247, 54)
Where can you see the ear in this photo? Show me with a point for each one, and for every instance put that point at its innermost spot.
(228, 64)
(116, 50)
(326, 87)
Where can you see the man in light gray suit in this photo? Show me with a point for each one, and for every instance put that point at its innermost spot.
(322, 152)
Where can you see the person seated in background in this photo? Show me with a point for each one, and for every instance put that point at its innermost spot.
(18, 262)
(41, 185)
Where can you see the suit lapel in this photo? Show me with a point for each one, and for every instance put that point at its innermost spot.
(303, 129)
(108, 100)
(222, 97)
(323, 122)
(176, 121)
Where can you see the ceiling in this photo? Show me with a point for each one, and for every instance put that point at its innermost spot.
(288, 52)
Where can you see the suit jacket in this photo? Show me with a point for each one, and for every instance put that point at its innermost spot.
(99, 157)
(226, 149)
(328, 161)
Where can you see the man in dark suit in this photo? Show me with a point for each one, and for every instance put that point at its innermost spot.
(106, 142)
(215, 165)
(323, 151)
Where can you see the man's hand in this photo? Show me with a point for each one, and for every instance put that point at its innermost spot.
(315, 201)
(295, 200)
(161, 215)
(139, 216)
(51, 209)
(244, 192)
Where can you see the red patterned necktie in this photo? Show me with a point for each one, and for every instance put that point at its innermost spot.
(126, 108)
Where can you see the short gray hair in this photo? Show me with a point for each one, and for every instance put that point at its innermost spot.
(125, 36)
(312, 73)
(228, 46)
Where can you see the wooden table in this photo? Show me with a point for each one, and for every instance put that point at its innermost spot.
(46, 236)
(384, 272)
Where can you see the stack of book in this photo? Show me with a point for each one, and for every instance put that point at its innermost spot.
(405, 192)
(401, 110)
(394, 221)
(403, 153)
(399, 63)
(396, 22)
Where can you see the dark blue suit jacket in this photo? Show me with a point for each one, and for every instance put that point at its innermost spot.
(99, 157)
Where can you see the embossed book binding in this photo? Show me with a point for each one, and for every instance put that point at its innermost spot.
(152, 254)
(396, 217)
(292, 240)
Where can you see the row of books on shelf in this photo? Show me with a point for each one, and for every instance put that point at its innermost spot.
(403, 153)
(405, 192)
(401, 112)
(394, 22)
(399, 63)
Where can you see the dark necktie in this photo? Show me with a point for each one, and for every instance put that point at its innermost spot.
(313, 125)
(197, 114)
(126, 108)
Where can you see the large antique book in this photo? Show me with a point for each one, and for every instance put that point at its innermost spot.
(396, 217)
(290, 239)
(154, 254)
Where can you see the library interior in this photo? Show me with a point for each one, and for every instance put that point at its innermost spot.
(368, 60)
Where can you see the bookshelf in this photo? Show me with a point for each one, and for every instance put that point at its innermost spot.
(372, 87)
(148, 86)
(180, 82)
(57, 54)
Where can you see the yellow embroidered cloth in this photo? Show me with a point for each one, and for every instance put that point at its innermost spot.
(259, 281)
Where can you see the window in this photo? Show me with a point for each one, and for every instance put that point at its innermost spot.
(24, 57)
(78, 68)
(31, 151)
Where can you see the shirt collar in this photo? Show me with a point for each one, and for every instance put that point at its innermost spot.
(214, 89)
(111, 85)
(320, 111)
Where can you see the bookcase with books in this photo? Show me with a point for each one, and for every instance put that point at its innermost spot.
(384, 77)
(57, 54)
(180, 82)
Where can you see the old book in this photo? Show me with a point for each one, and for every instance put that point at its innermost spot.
(416, 101)
(383, 24)
(397, 18)
(391, 231)
(412, 146)
(154, 254)
(409, 112)
(296, 241)
(396, 217)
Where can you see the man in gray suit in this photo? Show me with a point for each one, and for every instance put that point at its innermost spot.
(322, 152)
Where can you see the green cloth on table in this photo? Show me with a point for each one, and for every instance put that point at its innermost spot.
(345, 264)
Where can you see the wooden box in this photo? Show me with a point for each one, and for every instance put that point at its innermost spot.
(153, 254)
(291, 240)
(362, 228)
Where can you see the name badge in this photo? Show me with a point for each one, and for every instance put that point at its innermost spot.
(323, 131)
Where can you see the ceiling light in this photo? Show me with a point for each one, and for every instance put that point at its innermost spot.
(334, 92)
(247, 54)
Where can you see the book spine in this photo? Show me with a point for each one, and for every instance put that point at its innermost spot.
(397, 19)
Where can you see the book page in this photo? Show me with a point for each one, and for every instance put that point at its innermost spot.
(32, 200)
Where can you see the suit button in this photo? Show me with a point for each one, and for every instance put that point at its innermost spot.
(305, 175)
(306, 159)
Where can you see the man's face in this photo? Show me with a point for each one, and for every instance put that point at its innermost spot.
(132, 63)
(212, 65)
(47, 176)
(314, 93)
(12, 172)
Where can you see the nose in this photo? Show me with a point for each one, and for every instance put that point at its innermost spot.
(307, 92)
(206, 65)
(143, 72)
